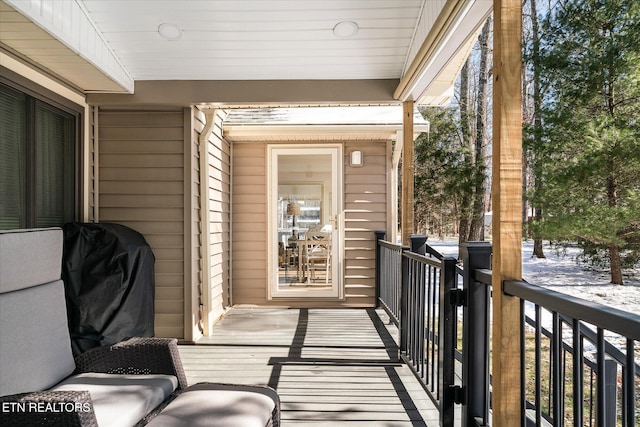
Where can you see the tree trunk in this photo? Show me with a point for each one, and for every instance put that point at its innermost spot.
(537, 123)
(614, 249)
(476, 226)
(465, 203)
(616, 267)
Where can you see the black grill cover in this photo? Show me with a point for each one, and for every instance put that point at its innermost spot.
(108, 272)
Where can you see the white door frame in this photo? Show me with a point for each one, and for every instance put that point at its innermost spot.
(337, 288)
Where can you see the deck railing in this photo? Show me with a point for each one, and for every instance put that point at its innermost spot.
(579, 366)
(415, 287)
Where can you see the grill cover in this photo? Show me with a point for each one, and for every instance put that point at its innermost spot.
(108, 271)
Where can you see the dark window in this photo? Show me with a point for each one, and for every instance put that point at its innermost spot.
(37, 162)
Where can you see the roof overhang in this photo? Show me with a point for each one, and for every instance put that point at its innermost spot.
(60, 36)
(315, 124)
(430, 77)
(317, 133)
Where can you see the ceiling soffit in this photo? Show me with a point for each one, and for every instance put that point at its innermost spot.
(79, 47)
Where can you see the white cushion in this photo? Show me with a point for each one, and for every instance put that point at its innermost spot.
(223, 405)
(122, 400)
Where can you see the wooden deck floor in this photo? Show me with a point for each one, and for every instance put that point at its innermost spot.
(331, 367)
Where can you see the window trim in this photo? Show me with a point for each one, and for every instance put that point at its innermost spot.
(34, 93)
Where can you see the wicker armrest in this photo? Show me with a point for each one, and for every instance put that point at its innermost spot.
(48, 408)
(135, 356)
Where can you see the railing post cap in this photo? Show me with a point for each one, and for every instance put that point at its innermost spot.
(477, 246)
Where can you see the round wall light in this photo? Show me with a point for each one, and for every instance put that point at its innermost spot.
(345, 29)
(170, 31)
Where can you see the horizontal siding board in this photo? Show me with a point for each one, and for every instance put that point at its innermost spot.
(141, 200)
(370, 217)
(169, 307)
(360, 236)
(141, 160)
(142, 133)
(169, 331)
(361, 207)
(160, 214)
(124, 119)
(141, 187)
(154, 228)
(361, 225)
(360, 199)
(121, 147)
(247, 274)
(169, 293)
(119, 173)
(369, 179)
(363, 189)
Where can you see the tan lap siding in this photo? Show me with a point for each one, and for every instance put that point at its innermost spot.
(141, 186)
(218, 191)
(219, 219)
(365, 211)
(249, 253)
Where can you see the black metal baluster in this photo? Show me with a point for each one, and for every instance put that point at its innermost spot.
(537, 363)
(556, 382)
(523, 364)
(435, 350)
(578, 375)
(628, 387)
(423, 307)
(601, 379)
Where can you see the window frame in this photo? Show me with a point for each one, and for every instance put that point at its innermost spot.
(33, 93)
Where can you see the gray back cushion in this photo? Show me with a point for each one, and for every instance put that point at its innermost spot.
(35, 348)
(29, 258)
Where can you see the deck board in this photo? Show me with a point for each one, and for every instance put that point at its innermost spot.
(331, 367)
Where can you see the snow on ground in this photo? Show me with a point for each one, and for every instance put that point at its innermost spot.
(562, 273)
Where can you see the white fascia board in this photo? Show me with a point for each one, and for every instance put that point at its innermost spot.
(269, 130)
(457, 37)
(69, 22)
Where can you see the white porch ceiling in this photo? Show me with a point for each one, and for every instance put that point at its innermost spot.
(264, 40)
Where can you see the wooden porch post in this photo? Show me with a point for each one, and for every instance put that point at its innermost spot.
(407, 171)
(507, 209)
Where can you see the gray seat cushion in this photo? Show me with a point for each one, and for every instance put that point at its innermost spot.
(34, 339)
(122, 400)
(219, 405)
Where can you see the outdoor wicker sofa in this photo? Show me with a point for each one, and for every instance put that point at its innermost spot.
(137, 381)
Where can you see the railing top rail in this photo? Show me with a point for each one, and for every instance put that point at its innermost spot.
(424, 259)
(434, 253)
(390, 245)
(483, 276)
(609, 318)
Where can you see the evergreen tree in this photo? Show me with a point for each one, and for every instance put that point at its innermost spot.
(532, 141)
(443, 174)
(451, 173)
(590, 58)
